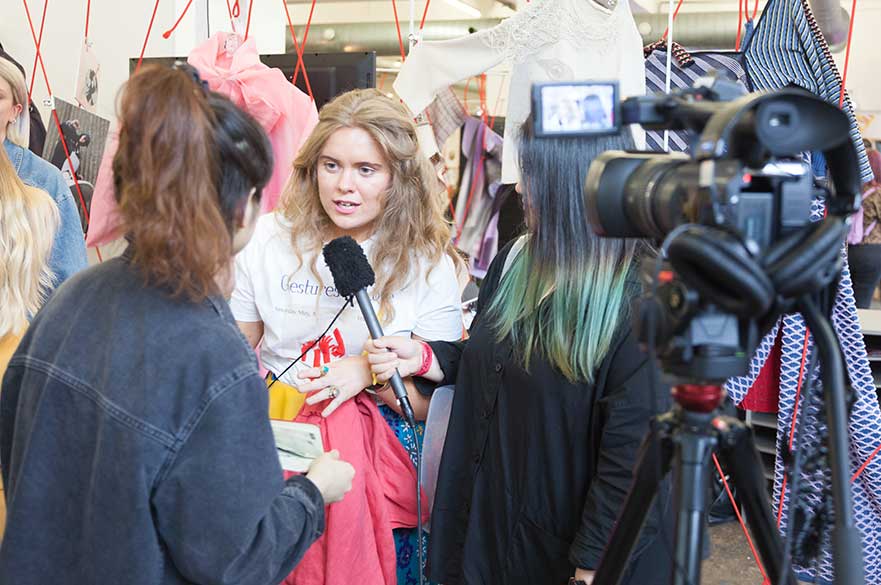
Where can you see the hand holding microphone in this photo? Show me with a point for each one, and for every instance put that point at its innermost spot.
(393, 353)
(352, 275)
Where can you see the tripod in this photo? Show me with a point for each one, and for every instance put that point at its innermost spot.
(684, 439)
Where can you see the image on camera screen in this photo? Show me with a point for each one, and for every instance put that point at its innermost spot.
(578, 108)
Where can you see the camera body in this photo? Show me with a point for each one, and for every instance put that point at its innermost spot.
(731, 214)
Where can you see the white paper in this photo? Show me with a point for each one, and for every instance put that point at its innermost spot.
(298, 444)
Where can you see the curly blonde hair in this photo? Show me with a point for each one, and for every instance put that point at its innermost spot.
(411, 226)
(27, 230)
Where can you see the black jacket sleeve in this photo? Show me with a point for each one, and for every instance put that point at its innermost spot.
(624, 409)
(222, 508)
(448, 353)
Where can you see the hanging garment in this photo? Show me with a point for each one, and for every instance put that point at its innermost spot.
(788, 48)
(864, 425)
(283, 111)
(548, 40)
(446, 114)
(482, 150)
(382, 498)
(687, 67)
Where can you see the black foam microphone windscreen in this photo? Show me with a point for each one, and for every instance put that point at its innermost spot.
(348, 265)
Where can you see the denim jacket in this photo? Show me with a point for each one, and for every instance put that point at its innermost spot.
(136, 447)
(69, 249)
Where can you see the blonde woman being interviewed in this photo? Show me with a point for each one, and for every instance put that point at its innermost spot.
(360, 174)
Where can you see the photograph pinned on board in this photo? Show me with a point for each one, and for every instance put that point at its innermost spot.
(85, 135)
(88, 77)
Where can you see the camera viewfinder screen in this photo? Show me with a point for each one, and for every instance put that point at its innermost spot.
(578, 108)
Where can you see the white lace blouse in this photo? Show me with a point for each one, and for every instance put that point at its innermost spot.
(548, 40)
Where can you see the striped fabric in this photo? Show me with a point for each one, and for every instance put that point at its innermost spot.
(686, 69)
(787, 48)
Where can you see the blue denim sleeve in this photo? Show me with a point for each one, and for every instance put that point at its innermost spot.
(223, 510)
(69, 249)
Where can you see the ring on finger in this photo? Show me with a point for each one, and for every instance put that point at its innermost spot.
(333, 392)
(324, 370)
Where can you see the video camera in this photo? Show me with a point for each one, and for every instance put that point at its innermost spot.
(735, 214)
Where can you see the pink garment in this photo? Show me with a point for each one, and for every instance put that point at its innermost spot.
(357, 545)
(286, 114)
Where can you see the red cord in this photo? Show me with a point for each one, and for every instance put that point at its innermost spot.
(740, 518)
(425, 13)
(755, 9)
(675, 14)
(299, 51)
(232, 21)
(88, 14)
(740, 4)
(853, 12)
(865, 465)
(39, 44)
(55, 114)
(248, 24)
(147, 38)
(236, 9)
(167, 33)
(303, 44)
(398, 27)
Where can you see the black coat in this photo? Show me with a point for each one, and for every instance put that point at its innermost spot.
(535, 468)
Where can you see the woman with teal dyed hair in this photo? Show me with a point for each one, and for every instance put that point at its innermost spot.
(553, 395)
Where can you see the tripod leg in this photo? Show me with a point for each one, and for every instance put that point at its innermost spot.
(691, 465)
(741, 460)
(652, 466)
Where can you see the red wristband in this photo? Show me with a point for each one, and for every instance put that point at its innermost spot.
(427, 358)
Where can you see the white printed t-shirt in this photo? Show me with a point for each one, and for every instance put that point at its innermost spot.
(296, 307)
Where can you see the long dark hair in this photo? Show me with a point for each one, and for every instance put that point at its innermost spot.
(187, 161)
(565, 295)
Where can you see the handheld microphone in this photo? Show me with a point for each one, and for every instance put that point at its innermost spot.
(352, 275)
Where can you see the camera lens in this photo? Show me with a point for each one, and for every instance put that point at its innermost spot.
(635, 195)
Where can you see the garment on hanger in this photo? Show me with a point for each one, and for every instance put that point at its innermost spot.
(482, 152)
(787, 48)
(864, 424)
(687, 67)
(282, 110)
(287, 114)
(446, 114)
(382, 498)
(548, 40)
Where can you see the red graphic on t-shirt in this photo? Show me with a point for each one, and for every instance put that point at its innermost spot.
(325, 348)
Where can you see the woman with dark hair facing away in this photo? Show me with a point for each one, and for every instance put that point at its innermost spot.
(134, 441)
(553, 395)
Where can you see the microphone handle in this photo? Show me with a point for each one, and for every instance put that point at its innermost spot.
(375, 330)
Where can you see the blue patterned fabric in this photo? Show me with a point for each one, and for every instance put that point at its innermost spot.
(405, 538)
(865, 422)
(787, 48)
(686, 69)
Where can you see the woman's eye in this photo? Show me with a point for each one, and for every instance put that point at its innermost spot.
(367, 171)
(330, 166)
